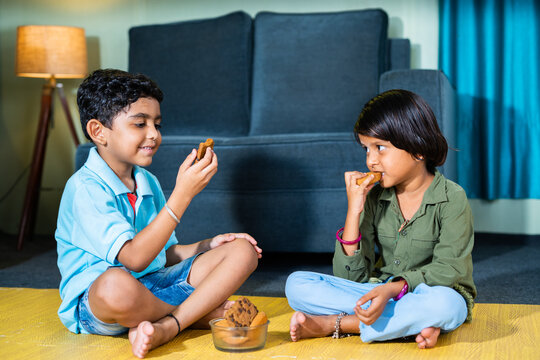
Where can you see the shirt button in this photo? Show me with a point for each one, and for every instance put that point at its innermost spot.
(404, 233)
(397, 262)
(347, 267)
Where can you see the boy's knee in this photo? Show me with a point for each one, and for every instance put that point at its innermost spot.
(244, 252)
(114, 290)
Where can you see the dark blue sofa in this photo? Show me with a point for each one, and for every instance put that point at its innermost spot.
(279, 94)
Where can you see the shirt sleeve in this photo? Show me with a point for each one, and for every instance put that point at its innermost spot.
(358, 267)
(452, 260)
(101, 227)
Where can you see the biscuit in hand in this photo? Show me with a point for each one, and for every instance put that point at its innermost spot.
(209, 143)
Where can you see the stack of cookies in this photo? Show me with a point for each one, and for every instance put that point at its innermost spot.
(243, 328)
(243, 314)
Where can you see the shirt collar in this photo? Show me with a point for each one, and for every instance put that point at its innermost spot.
(96, 164)
(143, 186)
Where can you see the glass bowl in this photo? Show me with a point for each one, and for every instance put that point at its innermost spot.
(238, 339)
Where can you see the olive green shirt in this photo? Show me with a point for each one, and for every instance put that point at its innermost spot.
(434, 247)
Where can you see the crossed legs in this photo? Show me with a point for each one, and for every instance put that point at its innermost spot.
(117, 297)
(318, 298)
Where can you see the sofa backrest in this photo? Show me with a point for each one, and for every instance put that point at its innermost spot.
(204, 70)
(314, 72)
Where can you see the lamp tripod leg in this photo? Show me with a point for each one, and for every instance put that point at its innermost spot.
(69, 119)
(34, 182)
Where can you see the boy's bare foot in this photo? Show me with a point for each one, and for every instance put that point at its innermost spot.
(428, 337)
(218, 312)
(227, 304)
(307, 326)
(148, 336)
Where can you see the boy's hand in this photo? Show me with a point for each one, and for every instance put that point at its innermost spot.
(379, 297)
(225, 238)
(192, 178)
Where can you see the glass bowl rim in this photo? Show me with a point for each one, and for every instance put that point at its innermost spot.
(214, 321)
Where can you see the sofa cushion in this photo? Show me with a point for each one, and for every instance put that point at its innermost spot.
(266, 163)
(315, 72)
(280, 221)
(266, 186)
(204, 70)
(303, 162)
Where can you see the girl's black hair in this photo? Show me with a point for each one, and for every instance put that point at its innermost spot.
(406, 120)
(105, 92)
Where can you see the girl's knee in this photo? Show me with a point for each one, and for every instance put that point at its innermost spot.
(446, 306)
(296, 286)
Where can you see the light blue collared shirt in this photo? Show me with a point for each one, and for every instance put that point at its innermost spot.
(94, 221)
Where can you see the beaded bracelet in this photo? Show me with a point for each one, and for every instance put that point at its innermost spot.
(345, 242)
(403, 291)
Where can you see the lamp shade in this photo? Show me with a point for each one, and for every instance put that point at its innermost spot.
(45, 51)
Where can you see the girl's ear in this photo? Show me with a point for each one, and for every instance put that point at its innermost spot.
(95, 130)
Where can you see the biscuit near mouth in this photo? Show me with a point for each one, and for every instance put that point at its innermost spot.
(376, 178)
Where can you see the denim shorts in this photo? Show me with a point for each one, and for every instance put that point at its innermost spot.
(168, 284)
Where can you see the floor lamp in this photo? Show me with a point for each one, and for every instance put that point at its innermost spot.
(49, 52)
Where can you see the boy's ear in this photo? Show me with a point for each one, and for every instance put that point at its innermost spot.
(94, 128)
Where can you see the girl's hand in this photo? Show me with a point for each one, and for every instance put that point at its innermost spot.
(193, 177)
(379, 297)
(356, 194)
(225, 238)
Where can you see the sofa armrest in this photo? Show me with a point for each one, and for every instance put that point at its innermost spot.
(436, 89)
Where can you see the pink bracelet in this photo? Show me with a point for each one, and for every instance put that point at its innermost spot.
(344, 242)
(403, 291)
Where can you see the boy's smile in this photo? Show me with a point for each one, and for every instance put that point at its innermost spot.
(133, 138)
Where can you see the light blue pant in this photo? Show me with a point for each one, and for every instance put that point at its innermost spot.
(321, 294)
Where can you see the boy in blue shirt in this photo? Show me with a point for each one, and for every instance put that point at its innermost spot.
(122, 268)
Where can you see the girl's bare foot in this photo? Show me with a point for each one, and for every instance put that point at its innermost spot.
(307, 326)
(428, 337)
(147, 336)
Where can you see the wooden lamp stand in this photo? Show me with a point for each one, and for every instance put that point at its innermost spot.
(31, 199)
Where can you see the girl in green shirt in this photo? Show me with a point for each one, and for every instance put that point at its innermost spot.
(420, 281)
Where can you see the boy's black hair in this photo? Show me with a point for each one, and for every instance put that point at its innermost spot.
(406, 120)
(105, 92)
